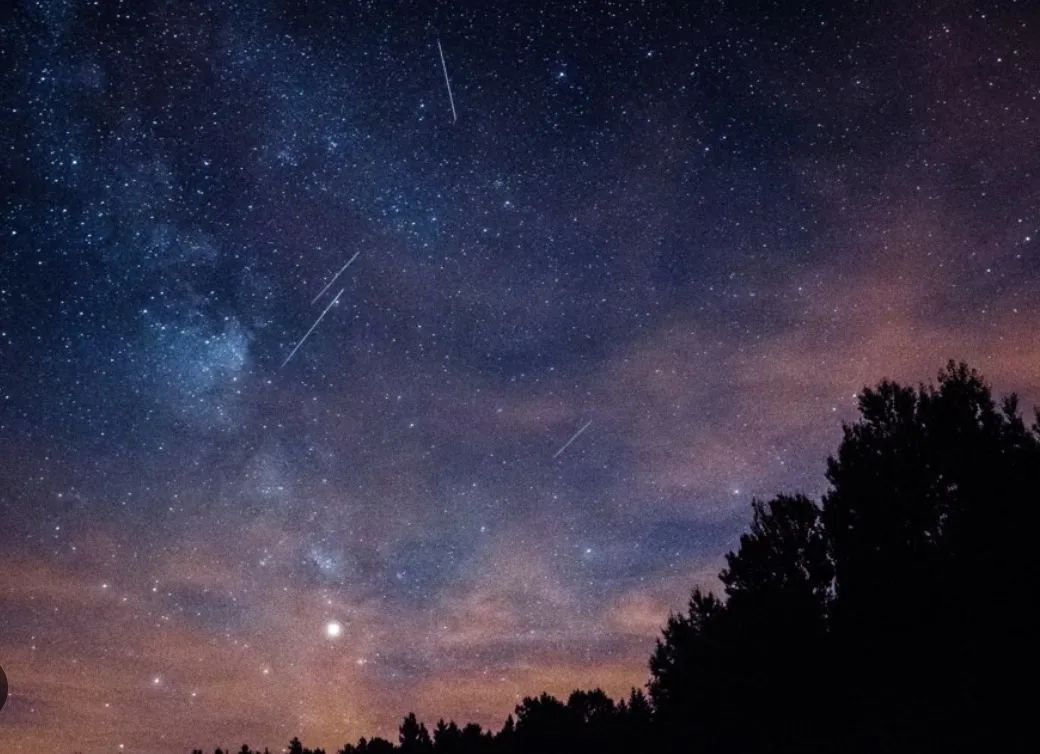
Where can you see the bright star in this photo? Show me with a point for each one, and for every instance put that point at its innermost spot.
(333, 629)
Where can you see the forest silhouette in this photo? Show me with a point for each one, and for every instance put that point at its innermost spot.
(888, 616)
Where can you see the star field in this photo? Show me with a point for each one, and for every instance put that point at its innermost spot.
(631, 273)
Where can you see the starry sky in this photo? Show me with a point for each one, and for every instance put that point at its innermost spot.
(687, 233)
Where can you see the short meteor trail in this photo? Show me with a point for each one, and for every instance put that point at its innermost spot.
(573, 438)
(451, 99)
(329, 284)
(316, 323)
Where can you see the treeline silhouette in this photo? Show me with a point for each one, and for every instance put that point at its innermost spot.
(889, 616)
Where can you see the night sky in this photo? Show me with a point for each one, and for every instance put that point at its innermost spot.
(686, 233)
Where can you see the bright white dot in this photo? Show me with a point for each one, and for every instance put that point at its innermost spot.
(333, 629)
(156, 681)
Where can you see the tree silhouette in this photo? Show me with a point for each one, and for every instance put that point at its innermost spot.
(414, 737)
(853, 626)
(505, 740)
(925, 517)
(543, 725)
(632, 729)
(778, 587)
(475, 740)
(374, 745)
(447, 738)
(688, 672)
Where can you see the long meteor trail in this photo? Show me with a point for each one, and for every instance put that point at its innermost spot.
(316, 323)
(573, 438)
(451, 99)
(329, 284)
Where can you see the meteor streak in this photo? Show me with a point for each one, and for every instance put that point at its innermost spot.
(316, 323)
(451, 99)
(329, 284)
(573, 438)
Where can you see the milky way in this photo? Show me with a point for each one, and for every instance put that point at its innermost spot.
(695, 230)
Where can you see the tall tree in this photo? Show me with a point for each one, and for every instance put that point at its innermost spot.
(413, 737)
(927, 520)
(883, 619)
(543, 725)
